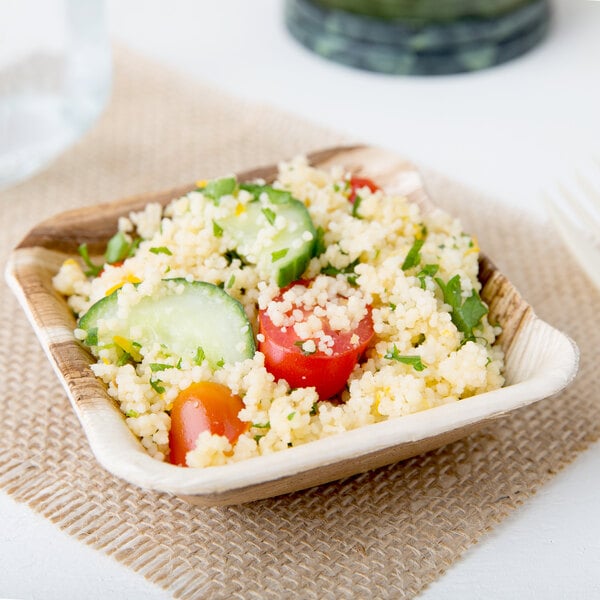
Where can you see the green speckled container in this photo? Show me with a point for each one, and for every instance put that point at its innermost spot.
(412, 38)
(426, 10)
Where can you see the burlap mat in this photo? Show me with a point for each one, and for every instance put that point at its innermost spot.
(384, 534)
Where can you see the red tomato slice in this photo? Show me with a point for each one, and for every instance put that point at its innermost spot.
(204, 406)
(360, 182)
(285, 359)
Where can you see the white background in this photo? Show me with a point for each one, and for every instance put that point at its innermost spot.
(509, 131)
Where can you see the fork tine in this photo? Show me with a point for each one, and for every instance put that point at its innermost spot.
(585, 250)
(592, 194)
(578, 210)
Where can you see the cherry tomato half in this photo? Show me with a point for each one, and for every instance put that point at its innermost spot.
(204, 406)
(360, 182)
(118, 263)
(285, 359)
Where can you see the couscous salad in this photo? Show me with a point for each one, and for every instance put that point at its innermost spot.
(246, 318)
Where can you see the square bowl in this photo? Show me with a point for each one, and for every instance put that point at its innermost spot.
(539, 360)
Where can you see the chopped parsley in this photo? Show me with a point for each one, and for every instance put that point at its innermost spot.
(257, 438)
(132, 414)
(427, 271)
(274, 195)
(123, 359)
(155, 385)
(465, 315)
(413, 258)
(270, 215)
(230, 282)
(217, 229)
(266, 425)
(414, 361)
(348, 270)
(200, 356)
(217, 188)
(92, 269)
(155, 367)
(161, 250)
(355, 206)
(313, 410)
(220, 363)
(231, 255)
(119, 248)
(300, 344)
(291, 416)
(278, 254)
(392, 306)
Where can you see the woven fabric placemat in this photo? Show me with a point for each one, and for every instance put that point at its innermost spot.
(383, 534)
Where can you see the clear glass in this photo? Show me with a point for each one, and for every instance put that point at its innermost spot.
(55, 73)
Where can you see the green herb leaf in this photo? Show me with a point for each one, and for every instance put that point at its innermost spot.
(291, 416)
(300, 344)
(155, 384)
(414, 361)
(465, 315)
(427, 271)
(231, 255)
(392, 306)
(220, 363)
(230, 282)
(161, 250)
(257, 438)
(269, 214)
(313, 409)
(216, 188)
(266, 425)
(473, 310)
(278, 254)
(355, 206)
(155, 367)
(93, 270)
(118, 248)
(200, 356)
(275, 196)
(347, 270)
(413, 258)
(134, 246)
(132, 414)
(217, 229)
(123, 359)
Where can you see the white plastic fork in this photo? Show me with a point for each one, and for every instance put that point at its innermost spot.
(575, 212)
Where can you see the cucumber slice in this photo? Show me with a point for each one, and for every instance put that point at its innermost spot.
(202, 316)
(280, 253)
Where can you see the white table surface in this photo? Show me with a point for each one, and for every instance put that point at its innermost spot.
(507, 131)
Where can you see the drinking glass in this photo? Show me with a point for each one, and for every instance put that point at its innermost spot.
(55, 73)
